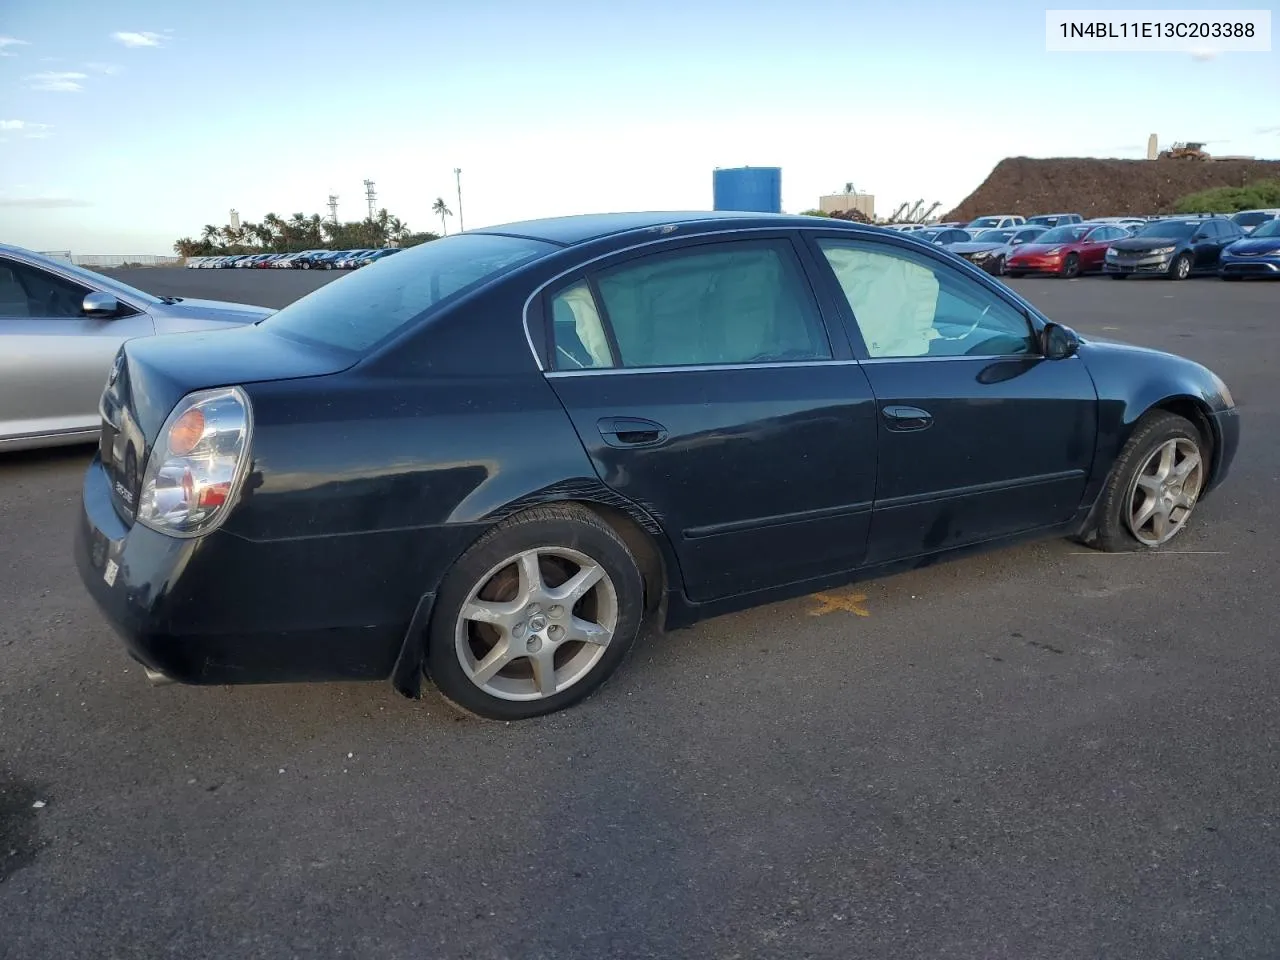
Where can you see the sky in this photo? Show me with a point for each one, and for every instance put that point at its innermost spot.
(126, 125)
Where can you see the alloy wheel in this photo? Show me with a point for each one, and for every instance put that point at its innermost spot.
(536, 624)
(1164, 491)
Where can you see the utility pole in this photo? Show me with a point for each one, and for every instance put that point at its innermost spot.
(370, 196)
(333, 207)
(457, 173)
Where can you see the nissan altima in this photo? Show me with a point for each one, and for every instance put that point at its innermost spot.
(493, 458)
(60, 328)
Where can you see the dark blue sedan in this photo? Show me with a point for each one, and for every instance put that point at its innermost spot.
(1257, 255)
(493, 458)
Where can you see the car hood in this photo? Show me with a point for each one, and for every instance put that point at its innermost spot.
(213, 310)
(973, 246)
(1138, 244)
(1255, 245)
(1036, 249)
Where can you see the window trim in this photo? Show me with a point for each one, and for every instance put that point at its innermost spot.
(588, 272)
(801, 236)
(961, 268)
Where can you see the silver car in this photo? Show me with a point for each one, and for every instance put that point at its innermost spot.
(60, 328)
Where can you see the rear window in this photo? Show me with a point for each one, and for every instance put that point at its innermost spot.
(371, 304)
(1252, 218)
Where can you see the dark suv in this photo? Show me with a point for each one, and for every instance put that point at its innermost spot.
(1172, 247)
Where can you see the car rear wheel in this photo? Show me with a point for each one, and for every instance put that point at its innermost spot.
(536, 615)
(1180, 269)
(1071, 266)
(1153, 487)
(998, 267)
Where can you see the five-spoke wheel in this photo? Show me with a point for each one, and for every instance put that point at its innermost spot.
(1154, 485)
(536, 624)
(1164, 491)
(536, 615)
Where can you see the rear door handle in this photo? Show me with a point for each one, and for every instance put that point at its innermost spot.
(902, 418)
(631, 432)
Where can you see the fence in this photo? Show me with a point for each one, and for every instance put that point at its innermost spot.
(123, 260)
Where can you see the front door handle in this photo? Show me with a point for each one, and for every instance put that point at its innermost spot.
(631, 432)
(902, 418)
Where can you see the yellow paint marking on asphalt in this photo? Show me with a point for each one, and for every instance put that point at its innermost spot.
(849, 602)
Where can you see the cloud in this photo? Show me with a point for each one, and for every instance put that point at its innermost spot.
(29, 130)
(110, 69)
(144, 38)
(56, 82)
(7, 42)
(1204, 56)
(43, 203)
(1275, 130)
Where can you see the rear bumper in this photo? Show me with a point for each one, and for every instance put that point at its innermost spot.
(223, 609)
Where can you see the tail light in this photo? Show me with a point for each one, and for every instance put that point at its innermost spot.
(197, 464)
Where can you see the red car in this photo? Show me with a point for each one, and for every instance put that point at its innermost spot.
(1066, 251)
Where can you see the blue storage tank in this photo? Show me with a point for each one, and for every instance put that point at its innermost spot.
(757, 189)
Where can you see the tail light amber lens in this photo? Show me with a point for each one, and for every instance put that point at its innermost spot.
(197, 464)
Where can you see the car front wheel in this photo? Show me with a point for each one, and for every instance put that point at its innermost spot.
(536, 615)
(1181, 268)
(1153, 487)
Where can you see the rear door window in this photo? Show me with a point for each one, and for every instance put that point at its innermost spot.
(714, 304)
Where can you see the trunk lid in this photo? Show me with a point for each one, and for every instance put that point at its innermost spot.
(151, 374)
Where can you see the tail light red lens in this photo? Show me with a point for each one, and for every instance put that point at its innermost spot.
(197, 464)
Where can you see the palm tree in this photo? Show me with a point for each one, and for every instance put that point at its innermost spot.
(211, 235)
(440, 209)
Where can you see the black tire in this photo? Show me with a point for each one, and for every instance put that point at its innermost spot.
(1180, 269)
(1071, 267)
(306, 265)
(1108, 530)
(553, 526)
(1117, 276)
(998, 267)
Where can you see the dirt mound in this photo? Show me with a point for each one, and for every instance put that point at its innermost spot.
(857, 216)
(1102, 188)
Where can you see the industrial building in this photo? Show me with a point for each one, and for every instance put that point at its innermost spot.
(848, 200)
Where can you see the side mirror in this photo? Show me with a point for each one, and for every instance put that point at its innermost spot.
(1058, 342)
(98, 304)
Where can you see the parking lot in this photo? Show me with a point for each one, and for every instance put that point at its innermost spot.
(1044, 752)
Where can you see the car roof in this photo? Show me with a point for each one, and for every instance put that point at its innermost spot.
(583, 228)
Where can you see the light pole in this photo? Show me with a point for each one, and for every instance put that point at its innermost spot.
(457, 174)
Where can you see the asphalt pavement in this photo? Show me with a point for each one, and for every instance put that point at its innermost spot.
(1044, 752)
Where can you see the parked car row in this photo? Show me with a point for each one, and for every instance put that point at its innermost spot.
(1172, 247)
(304, 260)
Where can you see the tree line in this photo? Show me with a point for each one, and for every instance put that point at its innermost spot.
(1261, 194)
(275, 234)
